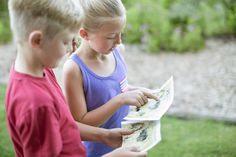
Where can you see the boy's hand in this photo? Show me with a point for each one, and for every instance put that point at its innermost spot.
(113, 137)
(126, 152)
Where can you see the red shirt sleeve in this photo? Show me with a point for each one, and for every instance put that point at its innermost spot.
(39, 131)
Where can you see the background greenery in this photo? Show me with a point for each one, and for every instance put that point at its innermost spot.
(5, 32)
(175, 25)
(6, 149)
(178, 25)
(171, 25)
(180, 137)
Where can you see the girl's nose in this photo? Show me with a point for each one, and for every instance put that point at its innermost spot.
(118, 39)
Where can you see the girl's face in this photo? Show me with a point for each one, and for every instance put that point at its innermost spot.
(54, 49)
(107, 37)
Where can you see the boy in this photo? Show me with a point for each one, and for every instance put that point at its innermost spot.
(39, 121)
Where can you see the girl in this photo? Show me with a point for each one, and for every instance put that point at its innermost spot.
(95, 77)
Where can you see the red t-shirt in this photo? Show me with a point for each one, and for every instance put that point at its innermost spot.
(39, 120)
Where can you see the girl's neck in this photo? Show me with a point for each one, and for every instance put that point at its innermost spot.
(27, 63)
(85, 51)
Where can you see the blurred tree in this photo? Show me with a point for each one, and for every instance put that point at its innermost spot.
(178, 25)
(3, 5)
(5, 32)
(231, 15)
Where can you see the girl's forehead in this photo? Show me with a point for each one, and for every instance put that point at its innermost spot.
(113, 26)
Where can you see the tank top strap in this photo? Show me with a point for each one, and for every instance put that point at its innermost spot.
(78, 61)
(119, 58)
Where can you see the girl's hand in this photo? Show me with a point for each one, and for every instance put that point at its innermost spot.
(136, 97)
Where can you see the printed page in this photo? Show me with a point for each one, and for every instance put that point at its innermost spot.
(154, 110)
(147, 134)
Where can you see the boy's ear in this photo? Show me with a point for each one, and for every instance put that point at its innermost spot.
(35, 38)
(83, 33)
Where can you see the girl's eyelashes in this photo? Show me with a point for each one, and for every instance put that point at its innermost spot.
(110, 37)
(115, 35)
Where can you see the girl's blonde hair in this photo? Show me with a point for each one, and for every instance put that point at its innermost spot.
(97, 12)
(49, 16)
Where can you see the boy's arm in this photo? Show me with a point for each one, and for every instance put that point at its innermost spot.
(39, 131)
(110, 137)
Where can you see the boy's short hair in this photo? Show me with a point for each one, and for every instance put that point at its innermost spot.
(49, 16)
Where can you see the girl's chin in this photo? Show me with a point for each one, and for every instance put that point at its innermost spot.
(107, 52)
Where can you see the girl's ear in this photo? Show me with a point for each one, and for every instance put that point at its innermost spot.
(83, 33)
(35, 38)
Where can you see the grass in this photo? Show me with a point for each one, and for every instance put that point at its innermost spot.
(180, 138)
(195, 138)
(6, 149)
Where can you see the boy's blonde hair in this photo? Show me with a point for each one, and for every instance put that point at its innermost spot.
(97, 12)
(49, 16)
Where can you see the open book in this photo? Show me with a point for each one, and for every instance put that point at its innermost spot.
(146, 120)
(147, 134)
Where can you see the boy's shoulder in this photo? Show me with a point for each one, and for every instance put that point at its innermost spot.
(26, 89)
(26, 94)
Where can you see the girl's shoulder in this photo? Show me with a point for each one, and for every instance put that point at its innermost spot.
(70, 68)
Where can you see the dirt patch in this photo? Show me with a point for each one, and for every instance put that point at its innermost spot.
(205, 82)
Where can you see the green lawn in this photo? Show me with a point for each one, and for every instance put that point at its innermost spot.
(180, 138)
(195, 138)
(6, 149)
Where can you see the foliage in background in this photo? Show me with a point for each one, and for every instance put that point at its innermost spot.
(172, 25)
(178, 25)
(5, 32)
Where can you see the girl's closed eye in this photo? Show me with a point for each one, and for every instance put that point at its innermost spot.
(111, 37)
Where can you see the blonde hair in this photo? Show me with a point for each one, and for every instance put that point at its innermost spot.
(97, 12)
(49, 16)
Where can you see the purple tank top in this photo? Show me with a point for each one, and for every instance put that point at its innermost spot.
(98, 90)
